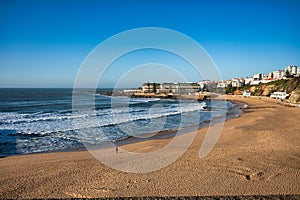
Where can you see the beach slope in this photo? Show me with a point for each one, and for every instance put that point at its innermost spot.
(257, 153)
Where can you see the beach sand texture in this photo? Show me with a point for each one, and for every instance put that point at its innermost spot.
(257, 153)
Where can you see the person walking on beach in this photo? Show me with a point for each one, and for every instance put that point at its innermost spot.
(117, 149)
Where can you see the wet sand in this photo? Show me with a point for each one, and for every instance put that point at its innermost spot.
(257, 153)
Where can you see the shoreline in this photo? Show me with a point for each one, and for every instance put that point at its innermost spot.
(258, 153)
(235, 111)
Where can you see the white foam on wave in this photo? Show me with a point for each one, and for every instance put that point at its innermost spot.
(144, 99)
(46, 123)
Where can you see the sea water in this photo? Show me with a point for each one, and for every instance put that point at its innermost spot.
(41, 120)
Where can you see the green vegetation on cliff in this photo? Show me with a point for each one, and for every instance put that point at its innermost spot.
(265, 89)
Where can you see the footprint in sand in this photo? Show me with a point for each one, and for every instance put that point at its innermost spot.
(255, 176)
(260, 175)
(250, 174)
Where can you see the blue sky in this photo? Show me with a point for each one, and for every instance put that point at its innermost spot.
(43, 42)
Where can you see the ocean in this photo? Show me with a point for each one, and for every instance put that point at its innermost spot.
(43, 120)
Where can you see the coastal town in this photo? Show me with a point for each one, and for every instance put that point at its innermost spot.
(205, 89)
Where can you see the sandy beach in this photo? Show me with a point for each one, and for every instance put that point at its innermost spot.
(257, 153)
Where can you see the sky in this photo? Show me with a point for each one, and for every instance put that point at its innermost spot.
(43, 43)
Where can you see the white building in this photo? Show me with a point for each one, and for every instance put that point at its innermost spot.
(236, 83)
(255, 82)
(292, 69)
(265, 76)
(221, 84)
(175, 88)
(278, 74)
(271, 75)
(266, 80)
(169, 88)
(257, 77)
(203, 84)
(248, 80)
(151, 87)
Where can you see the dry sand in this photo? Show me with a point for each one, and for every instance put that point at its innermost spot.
(257, 153)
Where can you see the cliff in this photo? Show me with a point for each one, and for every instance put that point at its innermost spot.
(291, 86)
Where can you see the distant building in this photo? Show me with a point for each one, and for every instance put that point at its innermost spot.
(248, 80)
(278, 74)
(257, 77)
(271, 75)
(222, 84)
(188, 88)
(256, 82)
(228, 83)
(203, 84)
(168, 88)
(236, 83)
(265, 76)
(292, 70)
(151, 87)
(179, 88)
(266, 80)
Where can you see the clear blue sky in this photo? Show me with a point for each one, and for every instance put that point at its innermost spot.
(44, 42)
